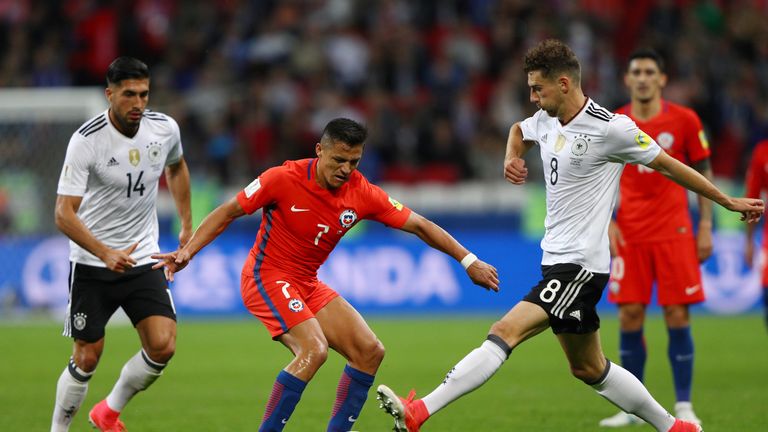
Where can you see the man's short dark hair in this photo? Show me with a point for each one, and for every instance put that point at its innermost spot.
(648, 53)
(344, 130)
(552, 57)
(123, 68)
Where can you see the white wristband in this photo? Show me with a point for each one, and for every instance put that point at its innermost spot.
(468, 260)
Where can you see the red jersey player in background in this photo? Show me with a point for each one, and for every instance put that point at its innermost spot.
(757, 183)
(308, 205)
(652, 238)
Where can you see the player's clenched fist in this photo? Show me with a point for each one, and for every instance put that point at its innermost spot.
(515, 171)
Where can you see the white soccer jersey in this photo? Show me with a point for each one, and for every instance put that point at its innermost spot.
(583, 161)
(117, 177)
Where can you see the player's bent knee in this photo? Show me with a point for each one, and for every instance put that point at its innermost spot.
(87, 361)
(586, 374)
(375, 354)
(161, 353)
(507, 334)
(315, 351)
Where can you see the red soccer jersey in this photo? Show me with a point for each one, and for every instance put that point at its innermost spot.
(302, 222)
(757, 177)
(652, 207)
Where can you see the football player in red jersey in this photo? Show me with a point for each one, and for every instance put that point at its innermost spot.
(757, 183)
(308, 205)
(652, 238)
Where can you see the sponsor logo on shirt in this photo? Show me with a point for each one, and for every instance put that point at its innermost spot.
(347, 218)
(113, 162)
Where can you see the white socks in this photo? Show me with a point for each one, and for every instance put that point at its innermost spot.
(470, 373)
(625, 391)
(137, 374)
(70, 393)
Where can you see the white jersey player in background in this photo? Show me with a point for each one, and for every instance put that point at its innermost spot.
(106, 206)
(584, 148)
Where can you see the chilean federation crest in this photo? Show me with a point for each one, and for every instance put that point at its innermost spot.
(347, 218)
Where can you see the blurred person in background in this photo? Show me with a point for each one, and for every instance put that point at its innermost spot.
(106, 205)
(652, 239)
(757, 184)
(308, 206)
(584, 148)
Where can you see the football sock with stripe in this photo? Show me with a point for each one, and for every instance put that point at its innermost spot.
(633, 352)
(627, 392)
(70, 393)
(680, 352)
(351, 394)
(138, 373)
(285, 395)
(468, 374)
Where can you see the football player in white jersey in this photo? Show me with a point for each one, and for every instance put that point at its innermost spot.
(106, 206)
(584, 148)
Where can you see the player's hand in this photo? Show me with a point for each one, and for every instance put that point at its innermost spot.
(750, 208)
(184, 235)
(615, 239)
(704, 243)
(173, 262)
(484, 274)
(119, 260)
(749, 253)
(515, 171)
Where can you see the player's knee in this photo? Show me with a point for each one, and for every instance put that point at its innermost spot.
(586, 373)
(161, 351)
(314, 351)
(374, 353)
(632, 316)
(505, 331)
(87, 360)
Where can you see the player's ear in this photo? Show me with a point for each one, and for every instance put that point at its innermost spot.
(108, 94)
(564, 83)
(318, 149)
(663, 80)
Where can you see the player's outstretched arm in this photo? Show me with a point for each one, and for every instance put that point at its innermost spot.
(515, 171)
(750, 208)
(480, 272)
(213, 225)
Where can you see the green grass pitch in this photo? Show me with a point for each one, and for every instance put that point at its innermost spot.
(223, 372)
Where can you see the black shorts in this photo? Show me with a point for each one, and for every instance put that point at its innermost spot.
(569, 293)
(95, 293)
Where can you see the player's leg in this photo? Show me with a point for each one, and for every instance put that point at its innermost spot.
(349, 334)
(522, 322)
(278, 301)
(147, 301)
(588, 363)
(680, 286)
(310, 348)
(88, 311)
(630, 287)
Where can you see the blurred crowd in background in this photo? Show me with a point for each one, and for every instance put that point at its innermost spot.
(438, 82)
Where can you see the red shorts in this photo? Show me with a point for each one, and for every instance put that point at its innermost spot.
(281, 301)
(673, 265)
(763, 265)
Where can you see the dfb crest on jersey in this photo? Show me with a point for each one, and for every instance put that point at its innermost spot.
(153, 151)
(347, 218)
(580, 145)
(79, 320)
(295, 305)
(133, 156)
